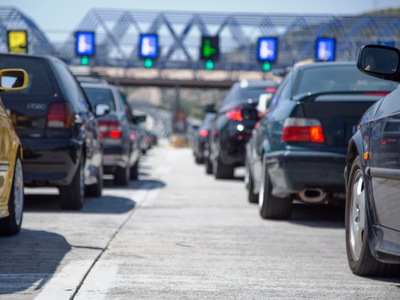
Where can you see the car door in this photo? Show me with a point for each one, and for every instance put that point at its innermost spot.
(385, 161)
(5, 150)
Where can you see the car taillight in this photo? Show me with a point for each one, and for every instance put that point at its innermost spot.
(235, 114)
(110, 129)
(59, 116)
(203, 133)
(376, 93)
(302, 130)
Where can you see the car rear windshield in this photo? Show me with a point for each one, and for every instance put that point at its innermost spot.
(339, 79)
(249, 94)
(100, 96)
(40, 81)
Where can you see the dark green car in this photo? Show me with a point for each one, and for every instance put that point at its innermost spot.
(298, 151)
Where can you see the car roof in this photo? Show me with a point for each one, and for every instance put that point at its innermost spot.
(325, 64)
(103, 85)
(255, 83)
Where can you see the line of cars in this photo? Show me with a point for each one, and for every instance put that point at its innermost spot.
(71, 133)
(330, 135)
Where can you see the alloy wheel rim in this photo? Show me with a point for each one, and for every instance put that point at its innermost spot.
(357, 216)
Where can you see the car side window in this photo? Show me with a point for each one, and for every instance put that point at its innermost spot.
(283, 92)
(72, 89)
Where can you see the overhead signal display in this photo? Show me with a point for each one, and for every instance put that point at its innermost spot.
(267, 49)
(17, 41)
(84, 43)
(325, 49)
(148, 45)
(209, 48)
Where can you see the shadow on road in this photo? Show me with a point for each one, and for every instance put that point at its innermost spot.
(328, 216)
(104, 205)
(33, 260)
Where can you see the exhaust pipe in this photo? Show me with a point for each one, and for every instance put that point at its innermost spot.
(312, 195)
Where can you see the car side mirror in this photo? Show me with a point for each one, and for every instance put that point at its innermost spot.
(380, 61)
(139, 119)
(102, 109)
(13, 79)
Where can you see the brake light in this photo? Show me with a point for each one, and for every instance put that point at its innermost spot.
(110, 129)
(302, 130)
(235, 114)
(59, 116)
(270, 89)
(376, 93)
(203, 133)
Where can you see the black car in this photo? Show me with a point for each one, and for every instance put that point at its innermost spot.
(200, 138)
(298, 151)
(58, 130)
(372, 174)
(233, 123)
(119, 134)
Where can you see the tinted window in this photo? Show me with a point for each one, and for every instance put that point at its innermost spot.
(70, 86)
(100, 96)
(40, 79)
(338, 78)
(250, 94)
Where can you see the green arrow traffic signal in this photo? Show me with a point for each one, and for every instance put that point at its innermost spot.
(209, 48)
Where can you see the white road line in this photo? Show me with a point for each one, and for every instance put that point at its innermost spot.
(63, 284)
(100, 280)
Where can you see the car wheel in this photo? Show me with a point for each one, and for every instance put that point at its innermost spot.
(222, 171)
(198, 160)
(121, 176)
(249, 184)
(359, 256)
(209, 166)
(72, 195)
(134, 174)
(11, 225)
(95, 190)
(251, 196)
(272, 207)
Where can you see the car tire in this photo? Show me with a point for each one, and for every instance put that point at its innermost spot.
(96, 190)
(249, 184)
(251, 196)
(121, 176)
(72, 195)
(359, 256)
(11, 225)
(198, 160)
(209, 166)
(134, 173)
(222, 171)
(272, 207)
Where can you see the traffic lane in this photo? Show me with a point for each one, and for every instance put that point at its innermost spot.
(51, 239)
(199, 238)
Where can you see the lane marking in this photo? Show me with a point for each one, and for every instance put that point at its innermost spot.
(63, 284)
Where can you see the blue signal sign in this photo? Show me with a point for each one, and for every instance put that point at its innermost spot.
(387, 43)
(148, 45)
(325, 49)
(84, 43)
(267, 49)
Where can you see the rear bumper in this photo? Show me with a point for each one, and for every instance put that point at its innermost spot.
(115, 156)
(293, 171)
(50, 162)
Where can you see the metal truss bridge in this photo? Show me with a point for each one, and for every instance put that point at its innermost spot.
(117, 38)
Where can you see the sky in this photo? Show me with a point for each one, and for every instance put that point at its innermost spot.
(66, 15)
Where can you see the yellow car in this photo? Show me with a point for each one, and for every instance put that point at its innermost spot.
(11, 176)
